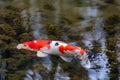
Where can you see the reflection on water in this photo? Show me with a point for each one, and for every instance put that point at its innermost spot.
(38, 31)
(99, 62)
(2, 70)
(118, 55)
(32, 75)
(100, 68)
(60, 74)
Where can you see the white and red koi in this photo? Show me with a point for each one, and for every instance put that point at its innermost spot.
(66, 51)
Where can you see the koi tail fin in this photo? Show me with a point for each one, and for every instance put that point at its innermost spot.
(85, 62)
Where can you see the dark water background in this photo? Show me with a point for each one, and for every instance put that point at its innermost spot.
(93, 25)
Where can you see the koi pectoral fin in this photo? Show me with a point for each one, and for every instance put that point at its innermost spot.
(41, 54)
(67, 59)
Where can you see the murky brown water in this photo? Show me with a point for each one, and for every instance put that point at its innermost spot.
(91, 24)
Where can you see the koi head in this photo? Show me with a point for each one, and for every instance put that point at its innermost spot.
(22, 46)
(34, 45)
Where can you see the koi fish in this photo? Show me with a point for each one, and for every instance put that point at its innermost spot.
(66, 51)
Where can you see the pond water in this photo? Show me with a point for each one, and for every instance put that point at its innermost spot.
(91, 24)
